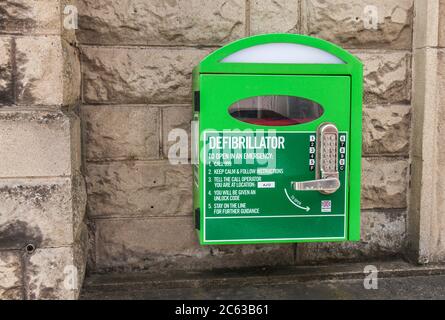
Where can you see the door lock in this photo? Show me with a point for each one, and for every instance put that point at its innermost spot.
(327, 179)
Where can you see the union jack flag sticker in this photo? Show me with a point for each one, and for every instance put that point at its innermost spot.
(326, 205)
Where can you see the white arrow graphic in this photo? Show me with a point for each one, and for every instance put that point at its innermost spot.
(295, 204)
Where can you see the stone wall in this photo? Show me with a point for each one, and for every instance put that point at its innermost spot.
(134, 62)
(42, 191)
(426, 222)
(137, 58)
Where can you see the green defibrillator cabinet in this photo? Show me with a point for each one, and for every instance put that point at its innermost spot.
(277, 141)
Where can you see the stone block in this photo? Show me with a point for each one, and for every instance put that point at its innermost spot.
(71, 74)
(441, 77)
(139, 188)
(171, 243)
(161, 22)
(41, 212)
(57, 273)
(121, 132)
(30, 17)
(11, 287)
(386, 130)
(387, 77)
(39, 70)
(280, 16)
(176, 118)
(359, 24)
(384, 183)
(426, 231)
(37, 143)
(139, 75)
(6, 82)
(382, 235)
(48, 71)
(442, 23)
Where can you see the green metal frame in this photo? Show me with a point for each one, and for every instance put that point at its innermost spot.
(352, 67)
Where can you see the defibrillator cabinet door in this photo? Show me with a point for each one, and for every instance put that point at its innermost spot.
(274, 165)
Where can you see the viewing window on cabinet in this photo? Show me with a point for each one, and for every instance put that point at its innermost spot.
(276, 110)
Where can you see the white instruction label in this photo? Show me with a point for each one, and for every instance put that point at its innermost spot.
(265, 184)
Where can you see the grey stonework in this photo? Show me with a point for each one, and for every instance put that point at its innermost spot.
(426, 228)
(138, 75)
(274, 16)
(170, 22)
(136, 89)
(43, 238)
(387, 76)
(386, 130)
(30, 17)
(122, 244)
(40, 212)
(121, 132)
(383, 234)
(135, 188)
(6, 71)
(343, 22)
(122, 82)
(11, 277)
